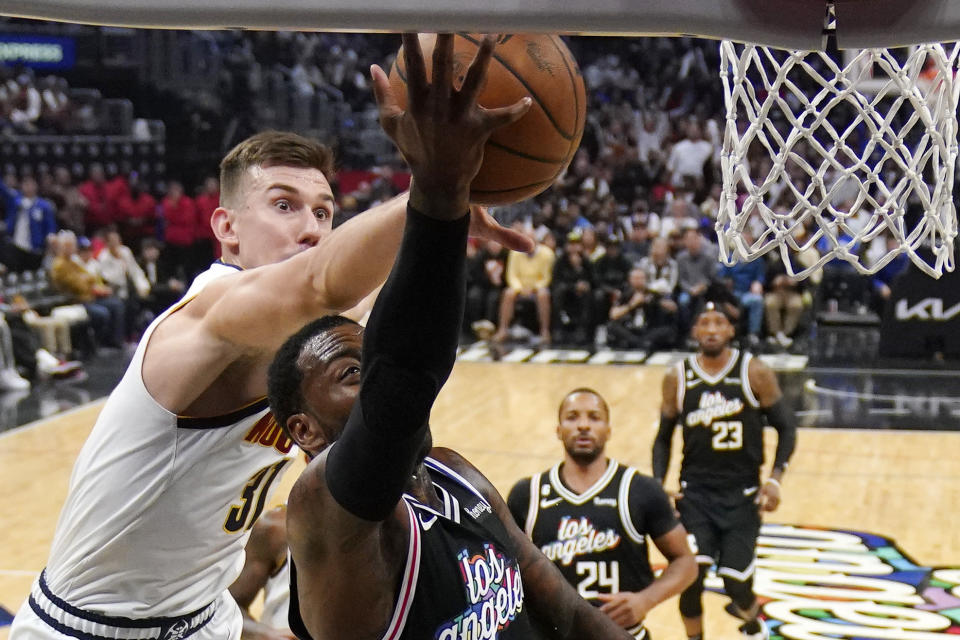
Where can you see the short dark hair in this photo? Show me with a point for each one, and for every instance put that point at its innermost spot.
(592, 392)
(717, 307)
(272, 148)
(284, 376)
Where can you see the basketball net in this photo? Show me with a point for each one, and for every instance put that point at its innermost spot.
(821, 157)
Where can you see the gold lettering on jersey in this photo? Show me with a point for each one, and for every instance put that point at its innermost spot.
(578, 538)
(267, 432)
(713, 405)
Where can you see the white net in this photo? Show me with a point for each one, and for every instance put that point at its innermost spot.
(823, 159)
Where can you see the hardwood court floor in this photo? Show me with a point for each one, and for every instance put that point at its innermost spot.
(904, 485)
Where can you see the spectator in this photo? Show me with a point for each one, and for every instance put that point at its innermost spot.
(55, 110)
(180, 231)
(136, 213)
(641, 318)
(661, 269)
(681, 215)
(106, 311)
(119, 270)
(485, 281)
(572, 293)
(882, 280)
(637, 246)
(29, 220)
(697, 266)
(610, 274)
(592, 249)
(99, 208)
(746, 283)
(69, 203)
(165, 287)
(10, 379)
(27, 105)
(207, 202)
(783, 304)
(528, 278)
(35, 361)
(689, 157)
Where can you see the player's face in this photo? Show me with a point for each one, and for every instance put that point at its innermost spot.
(713, 332)
(331, 382)
(281, 212)
(584, 427)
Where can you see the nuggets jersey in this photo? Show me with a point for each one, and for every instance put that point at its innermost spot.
(596, 538)
(722, 425)
(160, 506)
(461, 578)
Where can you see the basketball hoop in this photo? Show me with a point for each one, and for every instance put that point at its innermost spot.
(821, 157)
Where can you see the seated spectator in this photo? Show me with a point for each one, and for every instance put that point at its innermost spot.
(637, 245)
(165, 287)
(689, 157)
(680, 215)
(53, 331)
(882, 280)
(697, 266)
(641, 318)
(105, 310)
(94, 190)
(661, 269)
(783, 303)
(119, 269)
(746, 283)
(485, 281)
(592, 249)
(572, 292)
(29, 219)
(528, 277)
(27, 105)
(55, 110)
(610, 273)
(180, 231)
(10, 378)
(35, 361)
(136, 213)
(69, 203)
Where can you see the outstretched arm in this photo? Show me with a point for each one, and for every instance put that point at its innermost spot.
(669, 411)
(763, 382)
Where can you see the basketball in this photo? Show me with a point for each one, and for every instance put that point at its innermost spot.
(524, 158)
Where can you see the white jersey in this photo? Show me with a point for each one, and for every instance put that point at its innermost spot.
(160, 505)
(276, 598)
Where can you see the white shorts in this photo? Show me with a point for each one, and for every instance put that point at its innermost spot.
(225, 624)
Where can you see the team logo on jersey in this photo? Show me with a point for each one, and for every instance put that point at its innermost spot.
(495, 594)
(578, 538)
(177, 631)
(713, 405)
(267, 433)
(822, 583)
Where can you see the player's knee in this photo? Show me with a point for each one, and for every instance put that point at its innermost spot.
(691, 600)
(740, 592)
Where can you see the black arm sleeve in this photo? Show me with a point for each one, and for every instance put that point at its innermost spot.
(409, 349)
(650, 508)
(519, 502)
(661, 448)
(782, 419)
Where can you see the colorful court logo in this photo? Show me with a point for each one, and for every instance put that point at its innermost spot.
(816, 584)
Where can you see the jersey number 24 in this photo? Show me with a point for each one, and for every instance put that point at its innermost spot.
(605, 575)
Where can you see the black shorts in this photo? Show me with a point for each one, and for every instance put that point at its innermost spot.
(724, 526)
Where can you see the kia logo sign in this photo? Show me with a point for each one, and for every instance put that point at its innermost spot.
(928, 309)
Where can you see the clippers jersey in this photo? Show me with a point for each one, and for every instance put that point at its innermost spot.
(160, 506)
(461, 578)
(722, 424)
(597, 538)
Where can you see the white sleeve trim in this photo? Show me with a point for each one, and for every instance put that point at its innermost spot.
(623, 505)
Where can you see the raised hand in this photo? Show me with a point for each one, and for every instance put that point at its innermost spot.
(442, 133)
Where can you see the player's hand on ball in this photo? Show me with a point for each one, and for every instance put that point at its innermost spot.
(769, 496)
(626, 608)
(442, 133)
(483, 225)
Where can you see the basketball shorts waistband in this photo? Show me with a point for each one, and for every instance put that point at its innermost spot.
(87, 625)
(639, 632)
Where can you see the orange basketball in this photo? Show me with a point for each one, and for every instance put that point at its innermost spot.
(524, 158)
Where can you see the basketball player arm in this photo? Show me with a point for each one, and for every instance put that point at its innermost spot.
(518, 501)
(555, 605)
(663, 442)
(763, 382)
(266, 552)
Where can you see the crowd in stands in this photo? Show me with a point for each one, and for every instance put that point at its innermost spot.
(31, 105)
(626, 253)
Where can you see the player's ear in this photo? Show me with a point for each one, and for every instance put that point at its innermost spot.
(306, 432)
(222, 223)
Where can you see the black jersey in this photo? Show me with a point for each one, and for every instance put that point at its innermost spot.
(461, 578)
(597, 538)
(722, 425)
